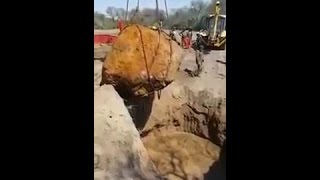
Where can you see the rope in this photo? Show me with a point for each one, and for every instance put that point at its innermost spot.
(146, 62)
(159, 32)
(145, 57)
(126, 18)
(143, 48)
(159, 94)
(157, 50)
(170, 60)
(157, 11)
(136, 11)
(165, 3)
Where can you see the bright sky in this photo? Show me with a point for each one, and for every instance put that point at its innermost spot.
(101, 5)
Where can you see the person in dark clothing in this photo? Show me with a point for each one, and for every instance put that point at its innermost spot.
(199, 48)
(200, 43)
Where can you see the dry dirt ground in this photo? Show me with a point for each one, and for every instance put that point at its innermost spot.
(182, 147)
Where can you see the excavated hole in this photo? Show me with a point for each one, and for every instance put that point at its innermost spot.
(139, 108)
(188, 118)
(191, 117)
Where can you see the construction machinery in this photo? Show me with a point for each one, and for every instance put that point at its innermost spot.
(104, 38)
(213, 36)
(102, 41)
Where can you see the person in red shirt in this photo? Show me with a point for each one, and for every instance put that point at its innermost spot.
(120, 24)
(189, 38)
(186, 38)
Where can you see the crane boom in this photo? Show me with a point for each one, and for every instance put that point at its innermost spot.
(157, 14)
(157, 11)
(126, 18)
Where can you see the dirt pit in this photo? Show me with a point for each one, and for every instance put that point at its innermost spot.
(184, 127)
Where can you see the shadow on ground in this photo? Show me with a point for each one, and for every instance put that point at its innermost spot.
(140, 109)
(218, 170)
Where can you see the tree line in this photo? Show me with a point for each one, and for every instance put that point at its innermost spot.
(188, 16)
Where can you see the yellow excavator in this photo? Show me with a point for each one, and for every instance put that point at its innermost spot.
(213, 35)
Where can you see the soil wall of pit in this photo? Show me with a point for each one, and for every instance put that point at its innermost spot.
(184, 130)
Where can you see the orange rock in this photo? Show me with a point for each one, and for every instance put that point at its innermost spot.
(141, 61)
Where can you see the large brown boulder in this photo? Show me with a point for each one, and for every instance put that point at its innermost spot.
(142, 60)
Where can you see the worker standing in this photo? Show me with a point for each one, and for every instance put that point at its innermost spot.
(184, 38)
(189, 34)
(199, 48)
(120, 24)
(160, 23)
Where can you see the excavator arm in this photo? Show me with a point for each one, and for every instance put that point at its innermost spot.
(215, 26)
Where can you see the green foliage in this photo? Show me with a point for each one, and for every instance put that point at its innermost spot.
(102, 22)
